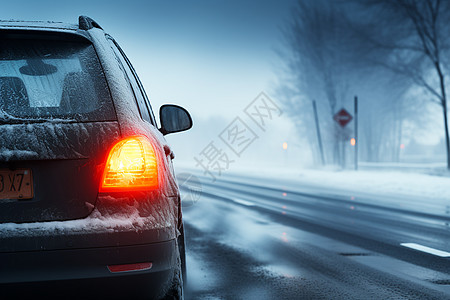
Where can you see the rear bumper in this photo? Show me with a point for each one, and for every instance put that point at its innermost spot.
(83, 273)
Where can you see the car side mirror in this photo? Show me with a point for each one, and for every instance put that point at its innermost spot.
(173, 119)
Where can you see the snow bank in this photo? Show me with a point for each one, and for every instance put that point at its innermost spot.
(376, 182)
(403, 190)
(380, 183)
(406, 190)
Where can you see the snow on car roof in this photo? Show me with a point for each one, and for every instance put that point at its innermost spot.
(4, 24)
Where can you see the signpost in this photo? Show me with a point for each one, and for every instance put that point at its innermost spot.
(343, 117)
(319, 138)
(356, 133)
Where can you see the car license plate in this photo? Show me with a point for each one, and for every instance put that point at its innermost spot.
(17, 184)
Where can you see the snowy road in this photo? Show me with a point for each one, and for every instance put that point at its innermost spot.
(266, 238)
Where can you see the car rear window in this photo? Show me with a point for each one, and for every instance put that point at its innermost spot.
(52, 79)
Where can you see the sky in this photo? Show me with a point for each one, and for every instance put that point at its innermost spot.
(205, 54)
(212, 57)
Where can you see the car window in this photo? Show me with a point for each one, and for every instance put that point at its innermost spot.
(52, 79)
(141, 87)
(135, 84)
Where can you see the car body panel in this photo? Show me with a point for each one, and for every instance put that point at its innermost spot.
(65, 161)
(71, 246)
(50, 273)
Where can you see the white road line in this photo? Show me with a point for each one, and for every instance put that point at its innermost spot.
(243, 202)
(426, 249)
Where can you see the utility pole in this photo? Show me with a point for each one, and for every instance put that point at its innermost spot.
(356, 133)
(319, 138)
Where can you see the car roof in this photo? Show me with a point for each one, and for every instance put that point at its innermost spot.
(42, 25)
(80, 29)
(84, 24)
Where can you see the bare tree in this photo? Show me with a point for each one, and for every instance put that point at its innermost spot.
(330, 60)
(411, 38)
(319, 62)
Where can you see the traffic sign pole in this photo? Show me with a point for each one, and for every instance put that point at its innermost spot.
(319, 138)
(356, 133)
(343, 117)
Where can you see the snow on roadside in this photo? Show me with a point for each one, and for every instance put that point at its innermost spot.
(405, 189)
(412, 191)
(381, 183)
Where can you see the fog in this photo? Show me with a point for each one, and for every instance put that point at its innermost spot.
(387, 58)
(215, 57)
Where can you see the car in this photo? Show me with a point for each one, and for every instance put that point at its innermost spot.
(89, 202)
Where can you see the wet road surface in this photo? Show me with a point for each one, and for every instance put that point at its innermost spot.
(250, 238)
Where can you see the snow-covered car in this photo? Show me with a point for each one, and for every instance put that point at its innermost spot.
(89, 203)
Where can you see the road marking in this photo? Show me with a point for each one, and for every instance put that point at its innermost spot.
(243, 202)
(426, 249)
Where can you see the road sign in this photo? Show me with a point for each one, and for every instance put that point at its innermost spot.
(343, 117)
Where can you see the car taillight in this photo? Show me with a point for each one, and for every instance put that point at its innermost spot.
(131, 166)
(130, 267)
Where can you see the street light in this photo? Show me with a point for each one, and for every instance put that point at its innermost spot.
(284, 146)
(353, 141)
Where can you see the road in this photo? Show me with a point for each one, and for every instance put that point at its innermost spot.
(250, 238)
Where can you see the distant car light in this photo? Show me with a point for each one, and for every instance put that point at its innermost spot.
(131, 166)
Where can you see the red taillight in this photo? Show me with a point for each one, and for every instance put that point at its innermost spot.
(131, 166)
(130, 267)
